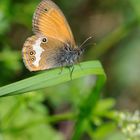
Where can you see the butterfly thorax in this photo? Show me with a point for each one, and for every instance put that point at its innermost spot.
(69, 55)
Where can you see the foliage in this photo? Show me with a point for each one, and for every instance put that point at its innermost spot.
(57, 107)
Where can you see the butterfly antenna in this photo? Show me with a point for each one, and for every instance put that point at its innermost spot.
(86, 41)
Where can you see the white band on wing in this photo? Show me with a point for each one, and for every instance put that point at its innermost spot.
(38, 51)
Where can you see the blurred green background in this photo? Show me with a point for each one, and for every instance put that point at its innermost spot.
(115, 27)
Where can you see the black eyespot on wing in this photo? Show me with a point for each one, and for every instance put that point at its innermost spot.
(44, 40)
(46, 10)
(33, 59)
(31, 53)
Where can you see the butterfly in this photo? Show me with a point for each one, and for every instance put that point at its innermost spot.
(53, 44)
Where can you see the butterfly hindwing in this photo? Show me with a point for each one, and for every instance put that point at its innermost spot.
(41, 53)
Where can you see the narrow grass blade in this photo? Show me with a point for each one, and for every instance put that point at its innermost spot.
(51, 78)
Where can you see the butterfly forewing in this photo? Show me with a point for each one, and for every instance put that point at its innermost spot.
(49, 21)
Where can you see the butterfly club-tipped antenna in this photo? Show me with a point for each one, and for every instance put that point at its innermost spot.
(81, 46)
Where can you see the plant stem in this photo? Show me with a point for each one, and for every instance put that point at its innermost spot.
(87, 107)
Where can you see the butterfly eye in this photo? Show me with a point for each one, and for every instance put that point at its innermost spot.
(79, 52)
(44, 40)
(67, 48)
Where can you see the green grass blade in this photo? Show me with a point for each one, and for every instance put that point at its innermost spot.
(51, 78)
(88, 106)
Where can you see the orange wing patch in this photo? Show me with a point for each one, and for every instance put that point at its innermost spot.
(49, 21)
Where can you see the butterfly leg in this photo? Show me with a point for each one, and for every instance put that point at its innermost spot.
(78, 62)
(61, 69)
(71, 69)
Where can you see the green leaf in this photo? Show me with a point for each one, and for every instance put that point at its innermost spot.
(52, 77)
(104, 106)
(104, 130)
